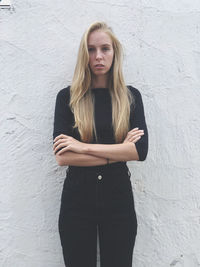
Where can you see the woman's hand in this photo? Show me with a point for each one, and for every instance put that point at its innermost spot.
(68, 143)
(133, 135)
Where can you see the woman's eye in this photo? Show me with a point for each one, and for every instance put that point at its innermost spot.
(90, 49)
(105, 48)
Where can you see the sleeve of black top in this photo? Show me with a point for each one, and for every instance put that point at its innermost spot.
(138, 120)
(63, 116)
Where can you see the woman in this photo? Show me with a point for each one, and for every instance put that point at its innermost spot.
(99, 125)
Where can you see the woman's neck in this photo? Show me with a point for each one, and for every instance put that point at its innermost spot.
(99, 82)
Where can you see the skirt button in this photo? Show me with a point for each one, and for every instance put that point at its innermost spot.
(99, 177)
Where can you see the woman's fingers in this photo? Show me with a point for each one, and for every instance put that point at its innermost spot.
(59, 141)
(134, 135)
(60, 137)
(63, 150)
(134, 139)
(135, 130)
(63, 138)
(66, 143)
(63, 145)
(138, 133)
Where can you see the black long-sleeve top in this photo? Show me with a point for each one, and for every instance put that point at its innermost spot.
(64, 118)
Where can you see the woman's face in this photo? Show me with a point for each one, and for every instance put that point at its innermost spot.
(101, 53)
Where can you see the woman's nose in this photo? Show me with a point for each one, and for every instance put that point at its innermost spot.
(98, 54)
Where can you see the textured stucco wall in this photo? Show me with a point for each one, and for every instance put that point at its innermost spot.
(38, 48)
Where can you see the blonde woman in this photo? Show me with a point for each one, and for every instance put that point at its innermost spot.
(99, 125)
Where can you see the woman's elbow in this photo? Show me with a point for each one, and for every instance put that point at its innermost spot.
(142, 149)
(134, 155)
(143, 156)
(59, 160)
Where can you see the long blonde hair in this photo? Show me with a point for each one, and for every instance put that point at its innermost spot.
(81, 100)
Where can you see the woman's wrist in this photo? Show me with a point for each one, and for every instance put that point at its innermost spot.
(85, 148)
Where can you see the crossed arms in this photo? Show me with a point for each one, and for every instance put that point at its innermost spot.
(77, 153)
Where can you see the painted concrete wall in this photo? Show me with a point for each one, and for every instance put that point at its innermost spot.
(38, 49)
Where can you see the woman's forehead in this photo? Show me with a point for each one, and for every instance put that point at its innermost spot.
(99, 38)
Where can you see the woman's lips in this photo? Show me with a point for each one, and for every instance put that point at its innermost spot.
(99, 66)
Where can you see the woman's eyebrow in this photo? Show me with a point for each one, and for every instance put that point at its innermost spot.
(101, 45)
(106, 44)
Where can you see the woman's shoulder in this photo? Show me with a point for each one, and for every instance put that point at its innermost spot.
(136, 97)
(64, 91)
(134, 90)
(64, 94)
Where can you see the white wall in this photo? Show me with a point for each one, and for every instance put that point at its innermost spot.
(38, 47)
